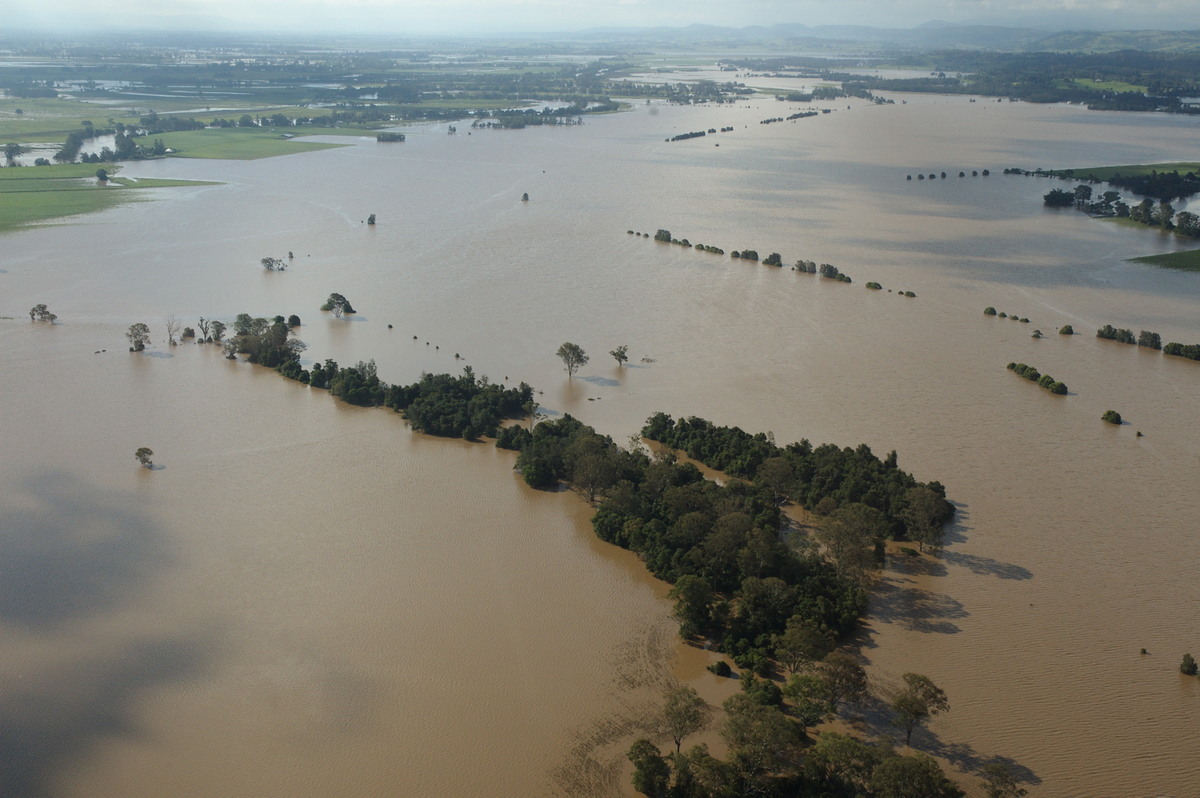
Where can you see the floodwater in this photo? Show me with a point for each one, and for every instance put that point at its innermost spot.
(305, 598)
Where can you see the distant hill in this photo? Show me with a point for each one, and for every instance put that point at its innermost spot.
(931, 35)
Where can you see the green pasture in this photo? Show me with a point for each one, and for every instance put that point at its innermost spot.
(31, 194)
(1188, 261)
(237, 143)
(1103, 173)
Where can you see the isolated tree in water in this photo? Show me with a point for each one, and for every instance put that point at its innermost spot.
(573, 357)
(40, 312)
(620, 354)
(139, 336)
(338, 304)
(173, 326)
(143, 455)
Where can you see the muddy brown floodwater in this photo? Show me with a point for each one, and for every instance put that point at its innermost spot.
(305, 598)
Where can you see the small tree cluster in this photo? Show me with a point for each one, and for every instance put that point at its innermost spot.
(139, 336)
(1121, 335)
(339, 305)
(274, 264)
(40, 312)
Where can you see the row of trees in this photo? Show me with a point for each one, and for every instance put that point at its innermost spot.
(774, 259)
(1043, 380)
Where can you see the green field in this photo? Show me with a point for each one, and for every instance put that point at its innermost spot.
(1103, 173)
(1106, 85)
(31, 194)
(1188, 261)
(236, 143)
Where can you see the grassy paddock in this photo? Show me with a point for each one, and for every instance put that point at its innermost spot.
(1103, 173)
(1188, 261)
(237, 143)
(32, 194)
(1107, 85)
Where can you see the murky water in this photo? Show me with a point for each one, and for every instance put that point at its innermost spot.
(308, 599)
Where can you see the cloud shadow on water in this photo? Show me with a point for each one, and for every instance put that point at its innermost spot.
(73, 556)
(69, 550)
(53, 717)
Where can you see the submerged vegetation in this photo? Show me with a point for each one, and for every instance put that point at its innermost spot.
(1043, 380)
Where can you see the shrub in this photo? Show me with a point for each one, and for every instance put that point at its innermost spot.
(1066, 329)
(1188, 666)
(1111, 416)
(721, 668)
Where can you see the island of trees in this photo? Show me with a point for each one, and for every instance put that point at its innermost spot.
(775, 602)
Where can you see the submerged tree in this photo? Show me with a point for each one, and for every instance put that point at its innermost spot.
(143, 455)
(173, 325)
(139, 336)
(620, 354)
(40, 312)
(338, 304)
(573, 357)
(920, 700)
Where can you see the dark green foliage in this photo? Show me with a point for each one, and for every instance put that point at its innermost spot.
(831, 271)
(1059, 198)
(720, 668)
(734, 580)
(1043, 380)
(663, 235)
(1111, 416)
(293, 320)
(338, 304)
(459, 407)
(359, 385)
(1111, 333)
(1188, 666)
(874, 286)
(1149, 339)
(916, 776)
(267, 343)
(1190, 351)
(774, 259)
(567, 449)
(388, 136)
(651, 774)
(762, 691)
(513, 437)
(845, 475)
(989, 311)
(749, 254)
(1066, 329)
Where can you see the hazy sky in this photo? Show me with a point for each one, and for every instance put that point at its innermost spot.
(493, 16)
